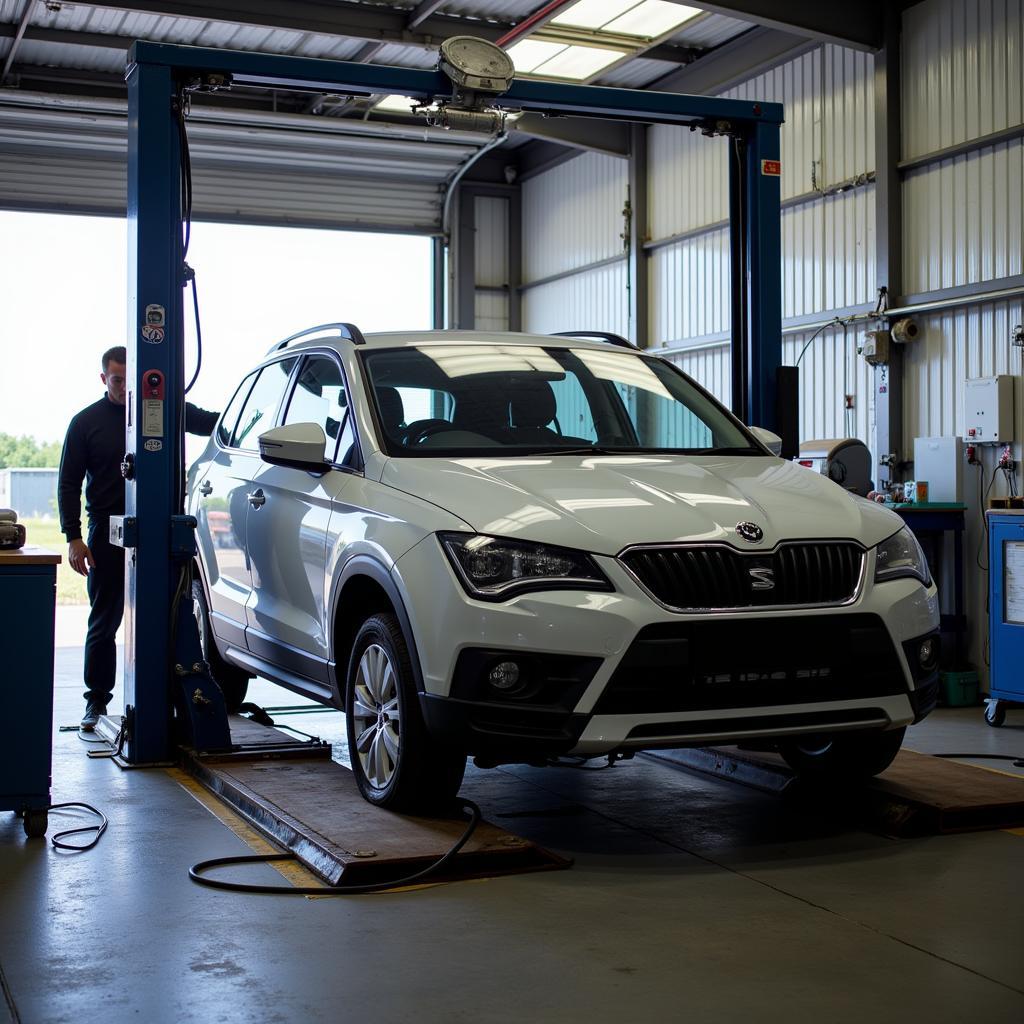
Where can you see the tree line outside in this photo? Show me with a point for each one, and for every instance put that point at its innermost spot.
(24, 452)
(28, 453)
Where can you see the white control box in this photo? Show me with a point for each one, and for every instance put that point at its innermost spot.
(988, 410)
(940, 461)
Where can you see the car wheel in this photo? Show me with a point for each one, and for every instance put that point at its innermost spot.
(233, 681)
(395, 761)
(842, 756)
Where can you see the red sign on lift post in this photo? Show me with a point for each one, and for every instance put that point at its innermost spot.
(771, 167)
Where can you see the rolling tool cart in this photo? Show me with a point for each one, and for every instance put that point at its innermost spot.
(28, 595)
(1005, 612)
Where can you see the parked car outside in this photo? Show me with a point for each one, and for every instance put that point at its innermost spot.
(525, 547)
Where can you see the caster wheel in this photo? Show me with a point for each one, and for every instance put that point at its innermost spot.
(995, 713)
(35, 823)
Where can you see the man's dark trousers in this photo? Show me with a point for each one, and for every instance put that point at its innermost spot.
(106, 595)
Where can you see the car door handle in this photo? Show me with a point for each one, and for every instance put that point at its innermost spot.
(205, 488)
(257, 498)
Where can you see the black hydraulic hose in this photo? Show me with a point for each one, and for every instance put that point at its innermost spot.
(196, 871)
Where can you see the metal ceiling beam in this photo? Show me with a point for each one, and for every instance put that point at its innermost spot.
(610, 137)
(423, 11)
(747, 55)
(378, 22)
(19, 34)
(858, 25)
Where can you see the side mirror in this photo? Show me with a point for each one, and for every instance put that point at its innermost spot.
(771, 441)
(300, 445)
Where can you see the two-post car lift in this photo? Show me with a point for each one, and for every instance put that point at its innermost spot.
(162, 663)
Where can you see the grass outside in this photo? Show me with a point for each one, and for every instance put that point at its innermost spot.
(45, 533)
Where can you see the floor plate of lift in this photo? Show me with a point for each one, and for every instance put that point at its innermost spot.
(917, 795)
(307, 803)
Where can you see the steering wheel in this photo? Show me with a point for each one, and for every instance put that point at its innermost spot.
(417, 432)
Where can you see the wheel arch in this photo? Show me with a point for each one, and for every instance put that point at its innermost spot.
(363, 588)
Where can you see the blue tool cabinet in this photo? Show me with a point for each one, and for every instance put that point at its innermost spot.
(28, 594)
(1005, 612)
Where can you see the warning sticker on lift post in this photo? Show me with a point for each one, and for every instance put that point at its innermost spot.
(773, 168)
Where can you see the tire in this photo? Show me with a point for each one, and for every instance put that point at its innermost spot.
(396, 763)
(233, 681)
(842, 756)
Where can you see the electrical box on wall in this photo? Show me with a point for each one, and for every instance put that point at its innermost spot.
(940, 461)
(988, 410)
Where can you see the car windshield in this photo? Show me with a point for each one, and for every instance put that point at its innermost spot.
(442, 399)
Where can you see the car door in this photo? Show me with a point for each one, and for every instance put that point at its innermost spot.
(287, 531)
(224, 496)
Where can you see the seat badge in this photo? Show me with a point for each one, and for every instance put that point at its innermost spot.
(750, 532)
(762, 578)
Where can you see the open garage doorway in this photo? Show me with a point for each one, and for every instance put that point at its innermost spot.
(63, 302)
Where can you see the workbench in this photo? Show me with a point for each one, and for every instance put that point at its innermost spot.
(28, 597)
(930, 521)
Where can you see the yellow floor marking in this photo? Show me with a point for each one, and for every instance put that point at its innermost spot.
(1015, 831)
(291, 870)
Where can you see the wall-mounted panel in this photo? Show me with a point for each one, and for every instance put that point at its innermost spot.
(572, 215)
(962, 219)
(962, 75)
(594, 300)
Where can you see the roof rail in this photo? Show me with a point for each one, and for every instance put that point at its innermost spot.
(347, 331)
(612, 339)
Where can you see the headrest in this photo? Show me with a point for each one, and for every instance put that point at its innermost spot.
(532, 404)
(392, 411)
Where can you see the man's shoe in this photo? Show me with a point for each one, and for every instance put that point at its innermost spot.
(93, 710)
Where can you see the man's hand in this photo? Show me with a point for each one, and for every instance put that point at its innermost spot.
(80, 557)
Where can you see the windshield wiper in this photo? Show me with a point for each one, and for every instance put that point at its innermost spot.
(564, 450)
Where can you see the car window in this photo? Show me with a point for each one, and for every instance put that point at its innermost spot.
(319, 397)
(261, 406)
(460, 399)
(227, 422)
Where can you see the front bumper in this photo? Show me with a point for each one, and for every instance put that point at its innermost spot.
(643, 678)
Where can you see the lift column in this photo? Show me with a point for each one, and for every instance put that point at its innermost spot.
(756, 247)
(155, 349)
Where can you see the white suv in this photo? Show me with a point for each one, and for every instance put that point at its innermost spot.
(522, 547)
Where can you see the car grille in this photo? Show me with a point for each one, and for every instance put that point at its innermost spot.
(699, 577)
(700, 665)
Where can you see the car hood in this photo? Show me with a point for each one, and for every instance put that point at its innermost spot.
(605, 503)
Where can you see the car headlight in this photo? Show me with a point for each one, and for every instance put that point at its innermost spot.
(901, 556)
(495, 569)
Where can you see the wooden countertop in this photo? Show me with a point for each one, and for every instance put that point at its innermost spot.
(29, 555)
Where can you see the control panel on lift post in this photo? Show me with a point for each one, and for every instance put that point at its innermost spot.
(152, 404)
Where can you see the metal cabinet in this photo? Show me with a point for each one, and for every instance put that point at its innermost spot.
(28, 594)
(1005, 611)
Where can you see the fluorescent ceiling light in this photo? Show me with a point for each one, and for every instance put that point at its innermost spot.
(648, 19)
(578, 62)
(531, 53)
(400, 104)
(651, 19)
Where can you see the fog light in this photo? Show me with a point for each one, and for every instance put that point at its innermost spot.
(504, 676)
(927, 653)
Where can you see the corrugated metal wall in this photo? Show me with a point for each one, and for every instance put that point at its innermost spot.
(962, 80)
(572, 217)
(491, 255)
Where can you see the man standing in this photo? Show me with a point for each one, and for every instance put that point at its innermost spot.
(93, 450)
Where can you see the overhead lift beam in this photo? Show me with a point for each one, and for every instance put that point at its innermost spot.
(157, 75)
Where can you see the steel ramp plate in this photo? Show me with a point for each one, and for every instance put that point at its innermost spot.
(917, 795)
(312, 807)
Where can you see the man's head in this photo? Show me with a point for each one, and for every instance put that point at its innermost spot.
(113, 376)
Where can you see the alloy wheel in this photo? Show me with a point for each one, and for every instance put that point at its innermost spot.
(376, 717)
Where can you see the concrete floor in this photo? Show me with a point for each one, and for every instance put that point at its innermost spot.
(689, 899)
